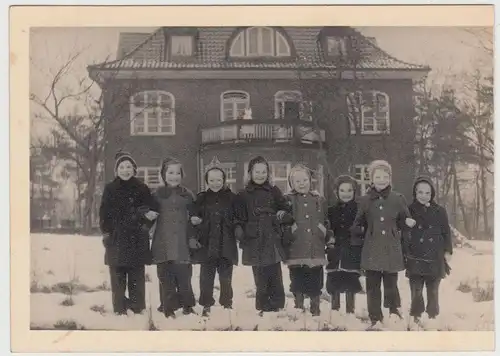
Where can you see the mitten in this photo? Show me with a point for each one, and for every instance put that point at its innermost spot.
(286, 218)
(106, 240)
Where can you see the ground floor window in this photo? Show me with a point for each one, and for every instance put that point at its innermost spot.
(150, 176)
(362, 176)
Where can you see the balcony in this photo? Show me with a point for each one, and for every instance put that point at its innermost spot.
(267, 132)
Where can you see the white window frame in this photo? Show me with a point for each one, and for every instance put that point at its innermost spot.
(240, 46)
(234, 101)
(148, 112)
(363, 178)
(281, 97)
(188, 38)
(365, 108)
(146, 174)
(226, 166)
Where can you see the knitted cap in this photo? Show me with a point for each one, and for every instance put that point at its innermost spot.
(168, 162)
(215, 165)
(345, 179)
(379, 164)
(122, 156)
(424, 179)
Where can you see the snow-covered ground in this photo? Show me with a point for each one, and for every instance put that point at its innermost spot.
(56, 260)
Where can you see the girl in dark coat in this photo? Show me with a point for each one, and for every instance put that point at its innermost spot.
(173, 240)
(428, 248)
(126, 208)
(306, 253)
(385, 214)
(344, 253)
(260, 208)
(213, 214)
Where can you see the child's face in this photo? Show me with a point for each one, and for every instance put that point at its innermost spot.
(423, 192)
(301, 182)
(346, 192)
(173, 175)
(259, 173)
(215, 180)
(125, 170)
(381, 179)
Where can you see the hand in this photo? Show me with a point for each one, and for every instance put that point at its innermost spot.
(106, 239)
(331, 242)
(195, 220)
(194, 244)
(410, 222)
(280, 214)
(294, 227)
(447, 257)
(151, 215)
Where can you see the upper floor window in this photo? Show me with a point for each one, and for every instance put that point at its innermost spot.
(234, 104)
(259, 42)
(369, 111)
(152, 113)
(150, 176)
(289, 105)
(336, 46)
(181, 45)
(362, 176)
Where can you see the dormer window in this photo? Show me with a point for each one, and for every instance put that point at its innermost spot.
(259, 42)
(181, 45)
(336, 46)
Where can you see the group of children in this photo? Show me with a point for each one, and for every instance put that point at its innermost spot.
(377, 234)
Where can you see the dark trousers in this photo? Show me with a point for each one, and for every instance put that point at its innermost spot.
(270, 293)
(350, 301)
(306, 280)
(392, 299)
(208, 269)
(133, 278)
(175, 286)
(417, 299)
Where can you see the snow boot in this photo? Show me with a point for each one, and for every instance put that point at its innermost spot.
(206, 311)
(188, 310)
(299, 300)
(315, 302)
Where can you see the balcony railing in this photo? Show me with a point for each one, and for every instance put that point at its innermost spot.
(272, 131)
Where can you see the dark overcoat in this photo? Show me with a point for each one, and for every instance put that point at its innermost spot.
(121, 213)
(257, 206)
(383, 213)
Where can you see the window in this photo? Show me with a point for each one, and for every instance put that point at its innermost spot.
(317, 180)
(234, 104)
(336, 46)
(152, 113)
(229, 169)
(289, 105)
(260, 42)
(150, 176)
(371, 110)
(181, 46)
(362, 176)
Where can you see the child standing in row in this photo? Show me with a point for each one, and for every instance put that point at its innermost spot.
(344, 254)
(428, 249)
(173, 241)
(126, 206)
(306, 253)
(385, 214)
(260, 207)
(214, 216)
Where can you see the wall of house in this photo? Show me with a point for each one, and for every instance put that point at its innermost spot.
(197, 104)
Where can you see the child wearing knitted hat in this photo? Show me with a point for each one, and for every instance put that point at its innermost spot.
(306, 253)
(385, 214)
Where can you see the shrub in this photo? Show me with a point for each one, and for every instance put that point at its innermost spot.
(102, 287)
(483, 294)
(68, 301)
(67, 325)
(98, 309)
(464, 287)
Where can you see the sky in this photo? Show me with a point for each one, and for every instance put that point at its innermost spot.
(449, 51)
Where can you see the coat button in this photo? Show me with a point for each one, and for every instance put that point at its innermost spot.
(382, 218)
(308, 230)
(305, 204)
(383, 232)
(307, 216)
(381, 207)
(431, 239)
(420, 226)
(430, 226)
(421, 240)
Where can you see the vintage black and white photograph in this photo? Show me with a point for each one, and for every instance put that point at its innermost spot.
(261, 178)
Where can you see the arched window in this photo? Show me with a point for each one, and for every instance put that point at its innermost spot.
(259, 42)
(233, 105)
(289, 105)
(370, 111)
(152, 112)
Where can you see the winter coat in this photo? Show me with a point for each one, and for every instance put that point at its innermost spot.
(257, 206)
(216, 231)
(173, 229)
(345, 254)
(309, 239)
(383, 213)
(427, 242)
(121, 214)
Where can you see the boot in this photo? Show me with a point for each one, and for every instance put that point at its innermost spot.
(169, 314)
(160, 308)
(188, 310)
(206, 311)
(350, 301)
(299, 300)
(395, 311)
(315, 310)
